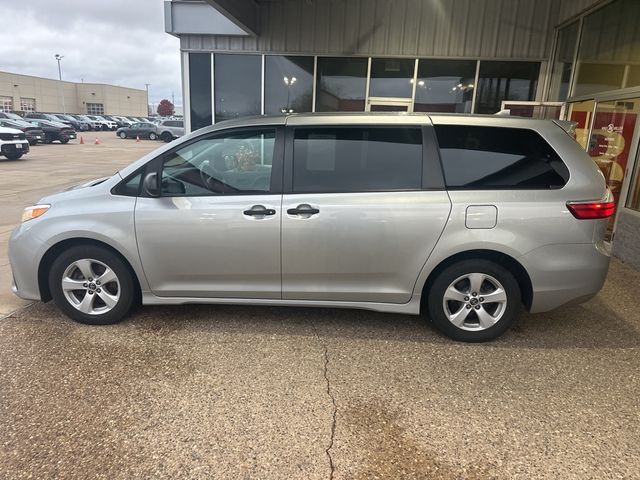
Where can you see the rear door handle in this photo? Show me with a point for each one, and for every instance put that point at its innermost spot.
(259, 210)
(303, 209)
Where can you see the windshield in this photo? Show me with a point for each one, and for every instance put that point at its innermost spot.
(15, 123)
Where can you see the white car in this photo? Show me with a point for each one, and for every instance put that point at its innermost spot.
(105, 124)
(13, 143)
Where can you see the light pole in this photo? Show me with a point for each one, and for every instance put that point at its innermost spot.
(146, 85)
(289, 83)
(59, 57)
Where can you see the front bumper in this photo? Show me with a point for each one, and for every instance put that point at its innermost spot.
(24, 257)
(17, 147)
(565, 274)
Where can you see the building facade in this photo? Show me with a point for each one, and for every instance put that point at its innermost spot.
(25, 93)
(568, 59)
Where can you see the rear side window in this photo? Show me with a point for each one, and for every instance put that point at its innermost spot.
(357, 159)
(498, 158)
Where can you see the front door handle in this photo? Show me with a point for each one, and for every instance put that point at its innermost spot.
(303, 209)
(259, 211)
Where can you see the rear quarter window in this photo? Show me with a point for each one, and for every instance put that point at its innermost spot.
(477, 158)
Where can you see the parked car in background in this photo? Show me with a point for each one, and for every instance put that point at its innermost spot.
(10, 116)
(140, 129)
(119, 123)
(13, 143)
(93, 124)
(52, 118)
(124, 120)
(169, 129)
(466, 219)
(104, 123)
(54, 131)
(33, 133)
(78, 125)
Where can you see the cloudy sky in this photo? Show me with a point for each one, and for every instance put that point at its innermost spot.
(120, 42)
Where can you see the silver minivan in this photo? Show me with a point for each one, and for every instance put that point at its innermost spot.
(466, 219)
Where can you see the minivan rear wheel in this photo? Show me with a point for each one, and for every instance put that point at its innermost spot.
(474, 300)
(91, 285)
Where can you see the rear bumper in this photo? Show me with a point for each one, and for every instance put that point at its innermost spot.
(565, 274)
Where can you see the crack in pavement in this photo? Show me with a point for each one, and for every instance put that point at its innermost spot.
(333, 401)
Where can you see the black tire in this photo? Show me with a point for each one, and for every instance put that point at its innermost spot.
(126, 290)
(104, 128)
(65, 141)
(14, 156)
(153, 136)
(166, 136)
(436, 295)
(122, 135)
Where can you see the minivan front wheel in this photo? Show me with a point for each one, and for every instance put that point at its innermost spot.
(91, 285)
(474, 300)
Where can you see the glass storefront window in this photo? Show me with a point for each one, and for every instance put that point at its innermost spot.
(598, 77)
(633, 201)
(238, 85)
(612, 137)
(445, 85)
(581, 112)
(609, 47)
(391, 77)
(563, 62)
(200, 89)
(500, 81)
(341, 84)
(288, 84)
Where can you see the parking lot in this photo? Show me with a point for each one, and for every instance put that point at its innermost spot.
(264, 392)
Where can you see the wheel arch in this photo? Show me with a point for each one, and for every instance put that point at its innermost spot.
(503, 259)
(50, 255)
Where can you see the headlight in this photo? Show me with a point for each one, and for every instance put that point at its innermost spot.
(35, 211)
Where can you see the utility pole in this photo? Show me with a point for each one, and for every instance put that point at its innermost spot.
(147, 87)
(59, 57)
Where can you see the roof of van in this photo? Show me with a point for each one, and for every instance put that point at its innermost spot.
(383, 117)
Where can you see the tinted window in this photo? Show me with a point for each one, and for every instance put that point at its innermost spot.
(500, 158)
(229, 165)
(288, 84)
(357, 159)
(444, 85)
(130, 187)
(499, 81)
(341, 84)
(391, 77)
(200, 89)
(238, 84)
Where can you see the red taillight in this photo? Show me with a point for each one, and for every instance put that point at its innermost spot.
(591, 210)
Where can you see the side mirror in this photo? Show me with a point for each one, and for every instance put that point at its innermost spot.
(150, 185)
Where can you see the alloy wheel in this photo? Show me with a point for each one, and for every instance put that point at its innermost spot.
(474, 301)
(90, 286)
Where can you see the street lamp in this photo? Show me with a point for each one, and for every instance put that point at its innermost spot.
(59, 57)
(289, 83)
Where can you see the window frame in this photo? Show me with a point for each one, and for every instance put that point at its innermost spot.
(432, 174)
(155, 164)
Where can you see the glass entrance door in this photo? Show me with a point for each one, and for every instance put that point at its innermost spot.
(380, 105)
(613, 145)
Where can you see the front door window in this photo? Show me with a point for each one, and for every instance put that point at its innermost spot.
(232, 165)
